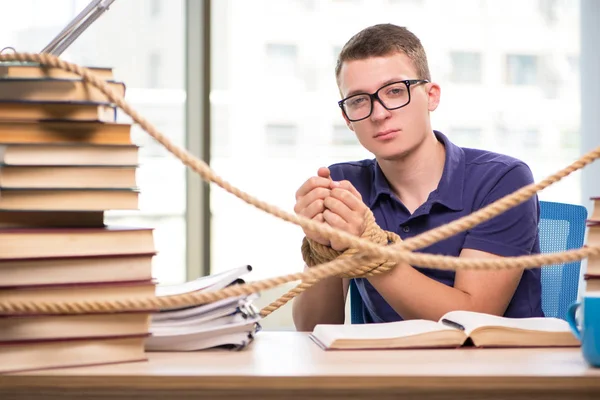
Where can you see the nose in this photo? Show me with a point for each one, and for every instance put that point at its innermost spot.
(379, 111)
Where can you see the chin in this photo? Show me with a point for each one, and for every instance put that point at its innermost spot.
(390, 153)
(391, 156)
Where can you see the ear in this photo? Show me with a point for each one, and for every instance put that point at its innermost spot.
(433, 96)
(348, 122)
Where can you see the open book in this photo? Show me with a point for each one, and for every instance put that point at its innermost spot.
(454, 329)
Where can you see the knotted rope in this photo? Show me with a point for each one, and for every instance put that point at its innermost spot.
(364, 251)
(315, 253)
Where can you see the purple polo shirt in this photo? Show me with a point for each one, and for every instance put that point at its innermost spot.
(471, 180)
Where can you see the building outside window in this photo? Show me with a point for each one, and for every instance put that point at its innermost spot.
(521, 69)
(465, 67)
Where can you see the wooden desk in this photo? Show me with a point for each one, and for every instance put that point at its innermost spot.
(289, 365)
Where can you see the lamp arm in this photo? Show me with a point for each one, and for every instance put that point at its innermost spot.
(77, 26)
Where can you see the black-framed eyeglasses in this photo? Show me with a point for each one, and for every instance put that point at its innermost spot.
(391, 96)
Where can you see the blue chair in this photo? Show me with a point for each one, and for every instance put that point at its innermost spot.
(562, 227)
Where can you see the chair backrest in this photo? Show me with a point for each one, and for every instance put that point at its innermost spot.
(562, 227)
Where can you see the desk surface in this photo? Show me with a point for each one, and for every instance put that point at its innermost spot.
(288, 364)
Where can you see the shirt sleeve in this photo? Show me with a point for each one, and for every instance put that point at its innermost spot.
(514, 232)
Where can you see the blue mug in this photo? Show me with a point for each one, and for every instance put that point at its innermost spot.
(589, 331)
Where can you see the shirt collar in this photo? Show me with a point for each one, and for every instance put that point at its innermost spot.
(449, 192)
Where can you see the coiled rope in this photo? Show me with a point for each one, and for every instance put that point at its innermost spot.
(367, 255)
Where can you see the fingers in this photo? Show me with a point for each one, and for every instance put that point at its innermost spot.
(334, 220)
(314, 196)
(345, 185)
(351, 201)
(338, 204)
(312, 183)
(338, 207)
(321, 240)
(324, 172)
(313, 209)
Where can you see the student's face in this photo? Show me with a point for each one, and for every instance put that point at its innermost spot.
(389, 134)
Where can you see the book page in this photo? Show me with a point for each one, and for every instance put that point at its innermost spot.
(327, 334)
(219, 307)
(473, 320)
(208, 282)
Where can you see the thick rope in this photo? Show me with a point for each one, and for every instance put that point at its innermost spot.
(363, 250)
(315, 253)
(333, 268)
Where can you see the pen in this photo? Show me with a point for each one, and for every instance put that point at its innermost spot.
(452, 324)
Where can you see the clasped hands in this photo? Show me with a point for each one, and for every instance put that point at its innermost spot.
(338, 204)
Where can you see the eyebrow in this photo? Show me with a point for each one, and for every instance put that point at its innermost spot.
(358, 91)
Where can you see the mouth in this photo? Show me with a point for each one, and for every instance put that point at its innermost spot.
(386, 135)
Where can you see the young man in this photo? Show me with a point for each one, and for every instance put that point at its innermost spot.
(418, 180)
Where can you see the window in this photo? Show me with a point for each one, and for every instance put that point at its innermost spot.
(414, 3)
(466, 136)
(281, 135)
(573, 62)
(155, 7)
(121, 38)
(530, 138)
(220, 144)
(282, 59)
(342, 136)
(521, 142)
(549, 10)
(521, 69)
(336, 53)
(466, 67)
(307, 4)
(569, 140)
(154, 70)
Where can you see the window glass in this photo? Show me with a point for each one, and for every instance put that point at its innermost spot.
(143, 41)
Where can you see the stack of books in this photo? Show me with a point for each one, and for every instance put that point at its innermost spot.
(228, 324)
(64, 161)
(592, 272)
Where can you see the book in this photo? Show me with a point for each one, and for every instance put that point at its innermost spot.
(60, 154)
(592, 284)
(24, 328)
(16, 69)
(593, 265)
(67, 177)
(63, 132)
(593, 239)
(92, 291)
(233, 336)
(59, 242)
(15, 110)
(454, 329)
(60, 353)
(230, 323)
(57, 199)
(202, 312)
(209, 282)
(51, 219)
(595, 216)
(75, 269)
(56, 90)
